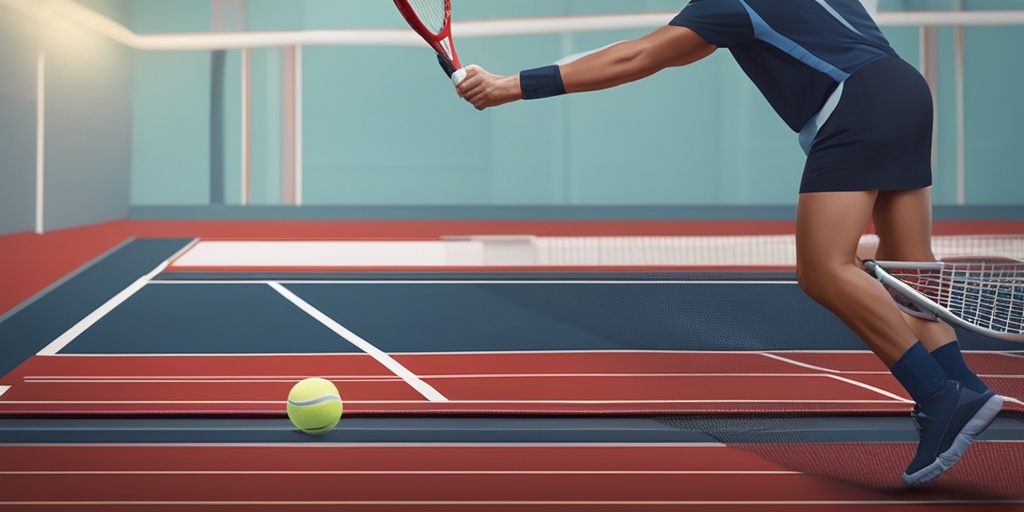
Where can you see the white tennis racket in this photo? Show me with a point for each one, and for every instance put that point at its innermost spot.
(984, 296)
(432, 20)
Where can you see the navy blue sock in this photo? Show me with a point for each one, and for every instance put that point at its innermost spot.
(919, 373)
(952, 361)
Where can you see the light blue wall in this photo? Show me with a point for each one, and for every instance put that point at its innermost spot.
(87, 123)
(995, 116)
(383, 127)
(18, 46)
(377, 122)
(171, 114)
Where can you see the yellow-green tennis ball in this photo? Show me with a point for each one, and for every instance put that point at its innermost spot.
(314, 405)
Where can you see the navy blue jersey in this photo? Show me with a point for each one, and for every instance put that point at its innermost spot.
(797, 52)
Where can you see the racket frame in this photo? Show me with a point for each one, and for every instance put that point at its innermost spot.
(436, 41)
(929, 309)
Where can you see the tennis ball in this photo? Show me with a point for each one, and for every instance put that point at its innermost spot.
(314, 405)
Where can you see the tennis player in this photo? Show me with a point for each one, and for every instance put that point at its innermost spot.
(864, 119)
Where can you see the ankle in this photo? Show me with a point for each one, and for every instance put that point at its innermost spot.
(951, 359)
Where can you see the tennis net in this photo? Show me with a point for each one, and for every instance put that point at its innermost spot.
(702, 251)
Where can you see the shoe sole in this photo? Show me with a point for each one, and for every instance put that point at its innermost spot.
(974, 427)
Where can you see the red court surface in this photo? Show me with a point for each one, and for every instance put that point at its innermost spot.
(435, 478)
(524, 382)
(607, 382)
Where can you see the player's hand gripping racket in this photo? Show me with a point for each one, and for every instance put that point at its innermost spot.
(432, 20)
(984, 296)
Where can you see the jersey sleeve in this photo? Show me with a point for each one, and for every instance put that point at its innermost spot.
(723, 23)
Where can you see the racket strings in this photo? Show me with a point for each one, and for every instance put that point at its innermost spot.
(432, 13)
(989, 295)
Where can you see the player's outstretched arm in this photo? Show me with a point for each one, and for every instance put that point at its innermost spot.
(611, 66)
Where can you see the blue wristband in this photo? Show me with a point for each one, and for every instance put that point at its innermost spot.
(542, 82)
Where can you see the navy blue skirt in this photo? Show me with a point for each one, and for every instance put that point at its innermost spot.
(880, 135)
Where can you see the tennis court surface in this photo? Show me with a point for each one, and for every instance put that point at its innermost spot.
(478, 373)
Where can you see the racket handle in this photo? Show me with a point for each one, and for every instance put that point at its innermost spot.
(458, 76)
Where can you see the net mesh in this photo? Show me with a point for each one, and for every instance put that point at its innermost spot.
(702, 251)
(727, 251)
(433, 13)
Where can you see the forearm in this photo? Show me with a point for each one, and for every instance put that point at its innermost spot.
(608, 67)
(620, 63)
(615, 65)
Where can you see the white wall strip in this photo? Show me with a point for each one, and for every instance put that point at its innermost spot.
(961, 136)
(289, 120)
(40, 141)
(246, 141)
(298, 126)
(950, 18)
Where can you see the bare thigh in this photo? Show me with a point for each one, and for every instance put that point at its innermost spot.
(903, 221)
(829, 227)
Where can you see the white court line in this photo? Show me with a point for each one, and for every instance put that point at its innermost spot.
(462, 281)
(3, 389)
(255, 379)
(64, 339)
(458, 402)
(495, 445)
(199, 381)
(626, 351)
(476, 352)
(800, 364)
(871, 388)
(752, 504)
(831, 373)
(204, 378)
(417, 472)
(40, 142)
(382, 357)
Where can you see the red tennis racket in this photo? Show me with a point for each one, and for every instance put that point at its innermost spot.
(432, 20)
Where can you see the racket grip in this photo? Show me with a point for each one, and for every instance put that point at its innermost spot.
(458, 76)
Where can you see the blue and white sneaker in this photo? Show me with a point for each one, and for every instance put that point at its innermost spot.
(947, 424)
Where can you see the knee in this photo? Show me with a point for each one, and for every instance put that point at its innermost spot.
(813, 280)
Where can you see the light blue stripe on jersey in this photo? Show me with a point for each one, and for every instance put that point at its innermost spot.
(766, 33)
(839, 17)
(814, 124)
(810, 130)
